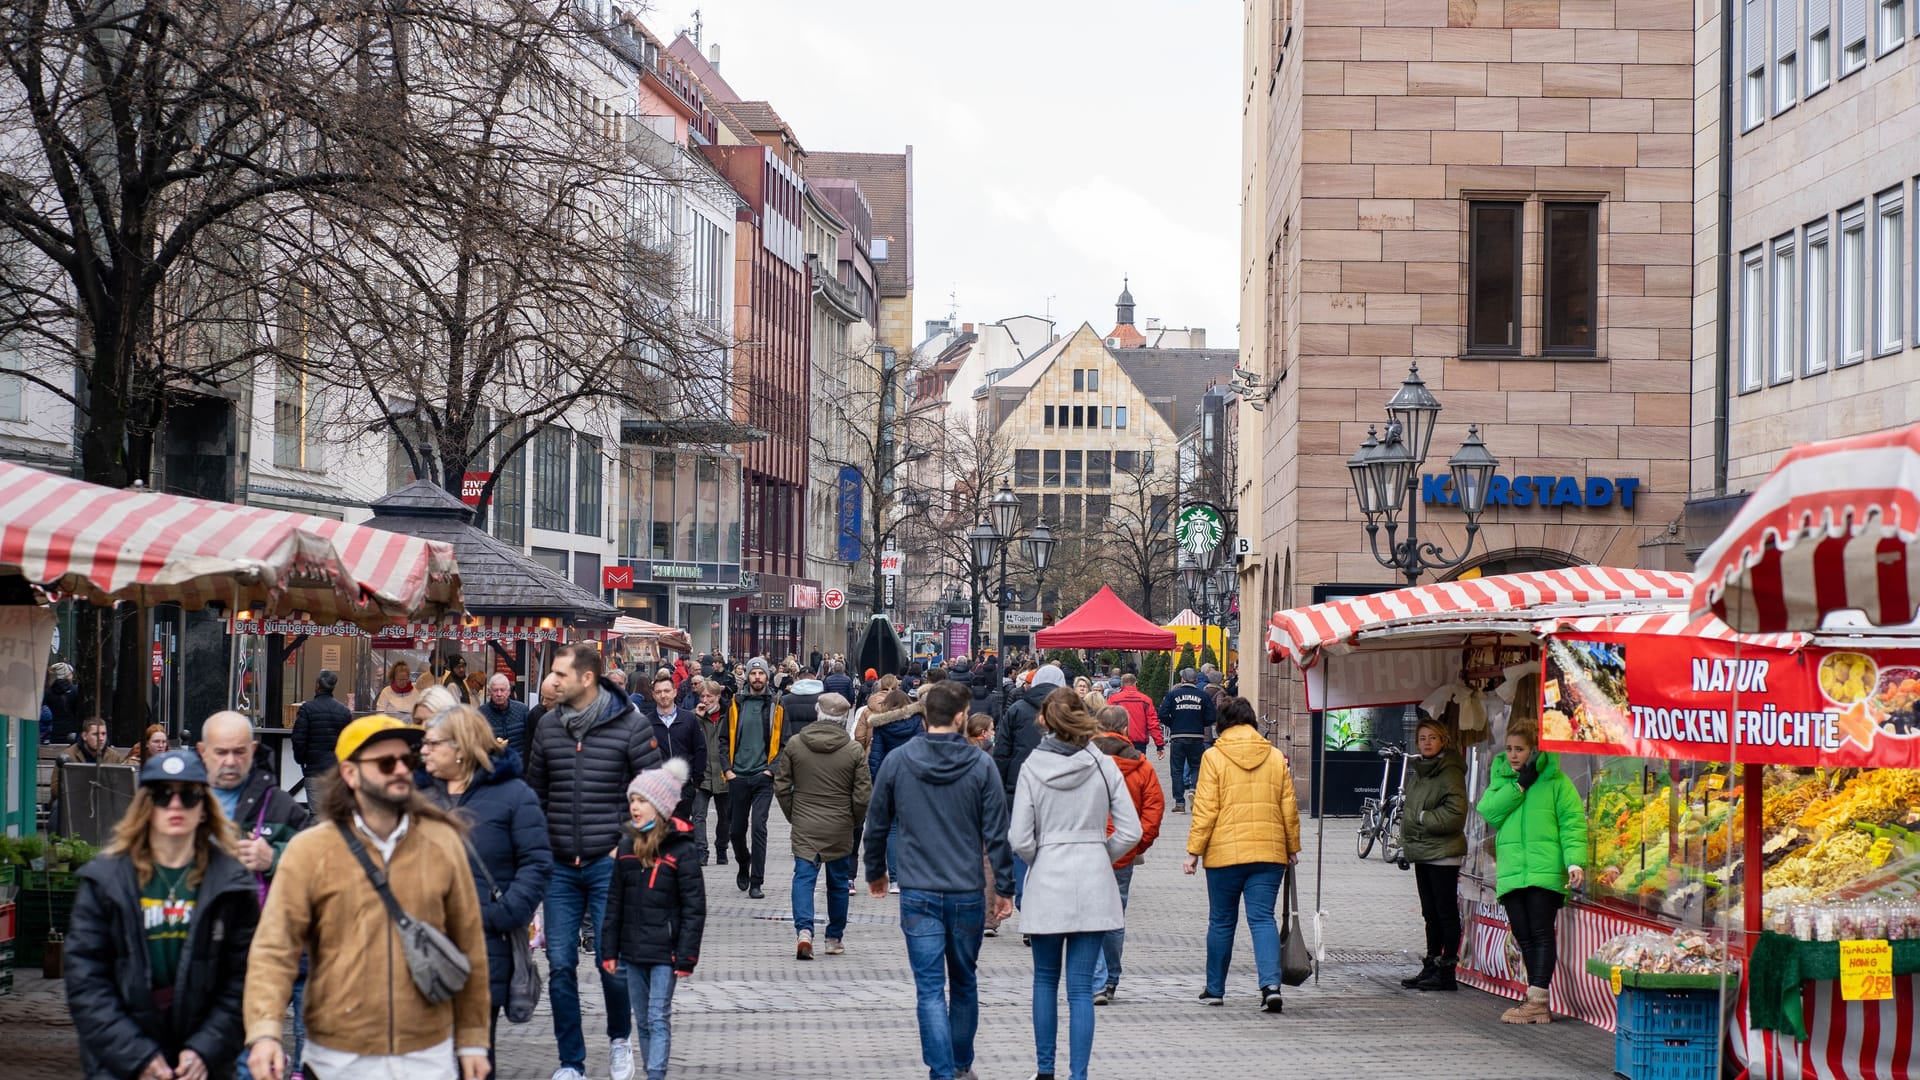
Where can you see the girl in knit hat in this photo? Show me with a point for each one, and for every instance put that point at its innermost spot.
(656, 908)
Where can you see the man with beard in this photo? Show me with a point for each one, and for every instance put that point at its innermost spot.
(92, 749)
(324, 903)
(680, 737)
(753, 741)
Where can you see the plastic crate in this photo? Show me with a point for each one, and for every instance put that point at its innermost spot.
(1655, 1057)
(7, 919)
(1686, 1014)
(39, 912)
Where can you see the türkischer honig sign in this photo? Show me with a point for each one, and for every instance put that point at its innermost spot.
(1708, 700)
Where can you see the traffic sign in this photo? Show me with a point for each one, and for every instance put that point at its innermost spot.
(834, 599)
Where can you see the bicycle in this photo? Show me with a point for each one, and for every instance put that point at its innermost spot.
(1380, 815)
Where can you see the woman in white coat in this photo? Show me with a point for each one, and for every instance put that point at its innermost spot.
(1072, 817)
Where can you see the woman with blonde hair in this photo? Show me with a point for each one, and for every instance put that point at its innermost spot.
(1433, 838)
(1094, 701)
(475, 776)
(397, 697)
(1063, 802)
(431, 702)
(156, 953)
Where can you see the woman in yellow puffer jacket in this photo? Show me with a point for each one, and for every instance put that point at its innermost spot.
(1246, 826)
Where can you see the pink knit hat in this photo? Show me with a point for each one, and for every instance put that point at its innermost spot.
(662, 786)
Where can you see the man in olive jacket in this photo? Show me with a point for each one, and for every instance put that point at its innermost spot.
(823, 786)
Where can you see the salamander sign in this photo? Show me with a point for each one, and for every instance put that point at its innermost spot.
(1540, 490)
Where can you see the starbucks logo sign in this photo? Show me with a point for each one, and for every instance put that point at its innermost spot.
(1199, 529)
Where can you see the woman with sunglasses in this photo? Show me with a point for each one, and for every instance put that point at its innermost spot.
(157, 952)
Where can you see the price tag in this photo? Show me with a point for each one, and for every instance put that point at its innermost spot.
(1613, 980)
(1880, 852)
(1713, 782)
(1866, 970)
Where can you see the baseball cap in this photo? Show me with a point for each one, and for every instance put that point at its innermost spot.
(181, 766)
(371, 729)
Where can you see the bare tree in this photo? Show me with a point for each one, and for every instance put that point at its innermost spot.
(1134, 545)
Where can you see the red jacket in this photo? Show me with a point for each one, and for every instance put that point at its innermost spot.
(1144, 785)
(1143, 721)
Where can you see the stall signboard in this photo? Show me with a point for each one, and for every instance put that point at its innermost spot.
(1388, 677)
(1705, 699)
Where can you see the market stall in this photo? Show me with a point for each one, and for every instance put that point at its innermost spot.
(1105, 622)
(644, 640)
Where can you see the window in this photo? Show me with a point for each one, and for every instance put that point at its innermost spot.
(707, 272)
(1093, 378)
(1074, 468)
(552, 451)
(1047, 420)
(1051, 470)
(551, 558)
(1070, 510)
(877, 250)
(1853, 38)
(1146, 461)
(1119, 416)
(13, 388)
(509, 511)
(1106, 416)
(1079, 379)
(1889, 254)
(1098, 507)
(1786, 45)
(1572, 278)
(1819, 45)
(1816, 325)
(1126, 461)
(1753, 62)
(1493, 277)
(1026, 467)
(1851, 305)
(1099, 469)
(1893, 25)
(1029, 509)
(1781, 309)
(1753, 323)
(586, 503)
(1050, 507)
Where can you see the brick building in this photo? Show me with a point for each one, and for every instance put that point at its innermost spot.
(1500, 192)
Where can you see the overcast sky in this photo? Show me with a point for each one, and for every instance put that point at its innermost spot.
(1057, 144)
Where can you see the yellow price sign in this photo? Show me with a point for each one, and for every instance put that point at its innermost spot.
(1613, 980)
(1866, 970)
(1880, 852)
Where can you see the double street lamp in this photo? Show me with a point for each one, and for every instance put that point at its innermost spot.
(993, 537)
(1211, 581)
(1386, 480)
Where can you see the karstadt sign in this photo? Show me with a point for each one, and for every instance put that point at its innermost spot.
(1547, 491)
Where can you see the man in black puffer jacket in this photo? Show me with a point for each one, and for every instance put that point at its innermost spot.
(584, 753)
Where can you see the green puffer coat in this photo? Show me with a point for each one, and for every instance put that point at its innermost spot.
(1539, 831)
(1433, 825)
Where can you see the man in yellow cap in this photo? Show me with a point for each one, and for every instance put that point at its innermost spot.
(321, 903)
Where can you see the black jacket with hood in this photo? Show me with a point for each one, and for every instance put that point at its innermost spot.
(656, 914)
(581, 777)
(1018, 733)
(943, 793)
(108, 991)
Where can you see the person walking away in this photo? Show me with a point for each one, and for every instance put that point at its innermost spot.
(157, 943)
(823, 787)
(1187, 711)
(1433, 838)
(1143, 785)
(753, 741)
(979, 730)
(948, 804)
(317, 725)
(471, 774)
(657, 910)
(1067, 795)
(1014, 738)
(324, 904)
(1246, 827)
(839, 682)
(1540, 838)
(891, 724)
(680, 736)
(1143, 720)
(585, 751)
(62, 702)
(397, 697)
(506, 715)
(92, 749)
(711, 791)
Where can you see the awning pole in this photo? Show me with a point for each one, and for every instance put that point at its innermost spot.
(1319, 754)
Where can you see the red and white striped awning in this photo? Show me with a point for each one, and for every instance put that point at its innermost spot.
(1299, 634)
(1835, 527)
(1185, 618)
(1675, 621)
(653, 633)
(469, 630)
(107, 545)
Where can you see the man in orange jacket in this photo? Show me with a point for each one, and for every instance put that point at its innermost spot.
(1144, 785)
(1143, 721)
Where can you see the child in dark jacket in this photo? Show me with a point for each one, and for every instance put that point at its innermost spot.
(656, 908)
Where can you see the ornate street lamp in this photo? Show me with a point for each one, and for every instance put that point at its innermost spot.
(984, 542)
(1039, 545)
(1005, 508)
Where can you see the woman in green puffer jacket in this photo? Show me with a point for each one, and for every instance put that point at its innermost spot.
(1539, 841)
(1433, 838)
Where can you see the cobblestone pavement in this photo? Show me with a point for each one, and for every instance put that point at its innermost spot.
(753, 1011)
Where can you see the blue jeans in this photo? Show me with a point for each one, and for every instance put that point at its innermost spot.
(1183, 764)
(943, 932)
(1106, 972)
(1082, 952)
(1019, 881)
(297, 1029)
(650, 986)
(806, 872)
(571, 894)
(1260, 884)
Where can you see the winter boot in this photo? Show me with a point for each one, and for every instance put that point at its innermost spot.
(1533, 1011)
(1426, 971)
(1441, 977)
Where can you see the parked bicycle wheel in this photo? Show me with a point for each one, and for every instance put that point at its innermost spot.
(1369, 828)
(1390, 835)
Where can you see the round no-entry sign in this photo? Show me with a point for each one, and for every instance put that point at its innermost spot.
(834, 599)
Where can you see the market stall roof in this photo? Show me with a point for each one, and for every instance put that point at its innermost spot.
(1301, 634)
(653, 633)
(1185, 618)
(1834, 527)
(107, 544)
(1105, 622)
(498, 579)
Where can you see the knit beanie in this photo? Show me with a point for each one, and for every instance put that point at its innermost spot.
(662, 786)
(1050, 675)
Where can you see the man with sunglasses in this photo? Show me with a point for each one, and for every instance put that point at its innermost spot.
(364, 1015)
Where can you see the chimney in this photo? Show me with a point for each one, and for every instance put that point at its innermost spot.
(966, 328)
(1197, 338)
(713, 56)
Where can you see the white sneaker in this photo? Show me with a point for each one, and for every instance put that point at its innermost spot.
(568, 1072)
(894, 889)
(620, 1060)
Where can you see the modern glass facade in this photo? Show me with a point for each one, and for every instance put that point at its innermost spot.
(680, 516)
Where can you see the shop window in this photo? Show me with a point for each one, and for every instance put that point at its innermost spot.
(1851, 299)
(706, 475)
(1493, 277)
(1074, 471)
(1786, 54)
(1026, 467)
(1817, 325)
(509, 510)
(1050, 468)
(1753, 55)
(552, 453)
(1819, 45)
(1781, 309)
(1099, 468)
(1572, 278)
(660, 516)
(1853, 37)
(1889, 254)
(1753, 324)
(586, 509)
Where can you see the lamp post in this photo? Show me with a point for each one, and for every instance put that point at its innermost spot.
(1386, 481)
(983, 542)
(994, 536)
(1210, 581)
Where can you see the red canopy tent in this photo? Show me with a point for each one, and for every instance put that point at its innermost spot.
(1105, 622)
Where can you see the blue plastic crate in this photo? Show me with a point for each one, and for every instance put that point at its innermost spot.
(1655, 1057)
(1669, 1013)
